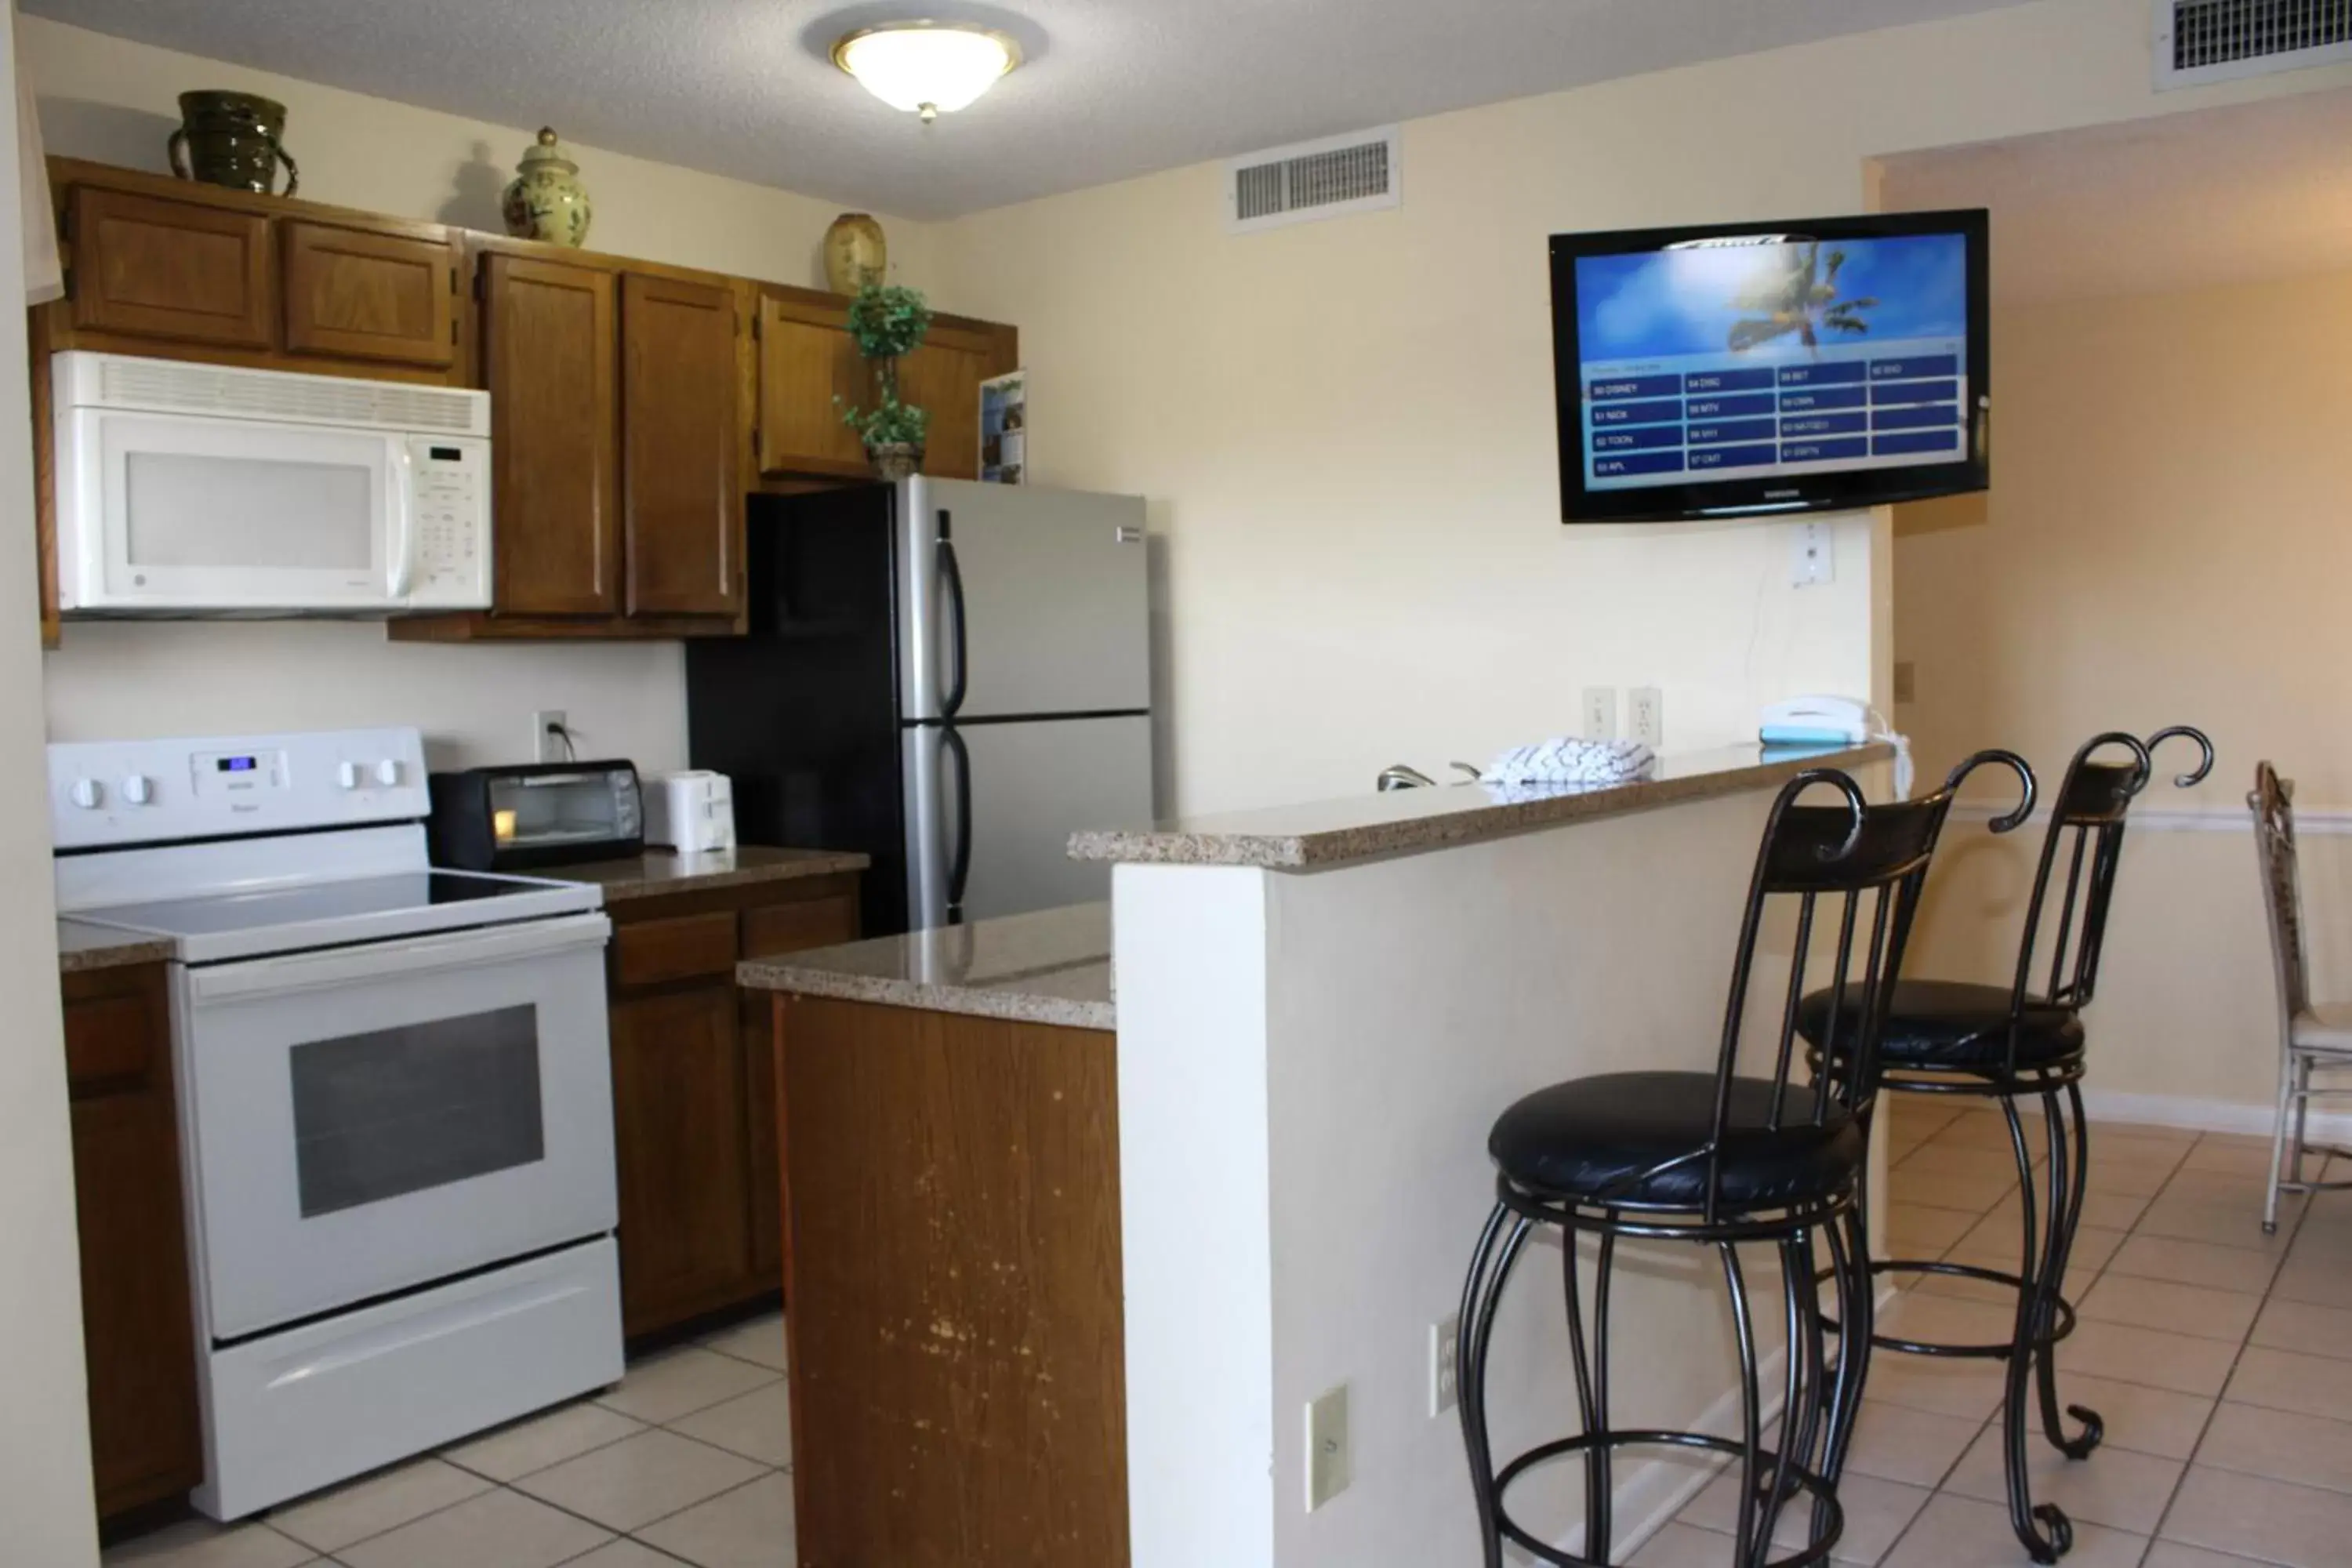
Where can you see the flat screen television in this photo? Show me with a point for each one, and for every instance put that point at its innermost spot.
(1751, 369)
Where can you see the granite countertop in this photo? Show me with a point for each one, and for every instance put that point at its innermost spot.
(83, 946)
(659, 871)
(1052, 967)
(1333, 833)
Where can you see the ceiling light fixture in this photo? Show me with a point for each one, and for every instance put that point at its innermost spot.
(927, 67)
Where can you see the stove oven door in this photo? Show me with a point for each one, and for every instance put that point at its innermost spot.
(365, 1119)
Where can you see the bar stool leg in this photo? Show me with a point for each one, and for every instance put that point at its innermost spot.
(2024, 1513)
(1857, 1313)
(1490, 1270)
(1593, 1387)
(2069, 1174)
(2288, 1075)
(1750, 1548)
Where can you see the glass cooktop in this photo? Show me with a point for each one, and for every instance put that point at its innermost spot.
(311, 904)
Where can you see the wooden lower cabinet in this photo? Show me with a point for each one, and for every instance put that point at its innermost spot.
(693, 1092)
(137, 1336)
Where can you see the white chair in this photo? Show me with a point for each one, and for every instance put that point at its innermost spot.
(2311, 1037)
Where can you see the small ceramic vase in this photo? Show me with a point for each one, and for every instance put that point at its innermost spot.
(545, 200)
(232, 139)
(856, 253)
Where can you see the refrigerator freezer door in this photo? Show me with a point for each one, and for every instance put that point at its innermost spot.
(1027, 787)
(1035, 602)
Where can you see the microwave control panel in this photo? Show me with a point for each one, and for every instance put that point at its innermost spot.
(452, 550)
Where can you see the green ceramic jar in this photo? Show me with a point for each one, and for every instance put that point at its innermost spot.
(545, 200)
(233, 139)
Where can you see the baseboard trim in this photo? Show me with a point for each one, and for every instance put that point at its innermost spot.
(2195, 1115)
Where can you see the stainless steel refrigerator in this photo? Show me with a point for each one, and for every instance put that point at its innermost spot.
(950, 677)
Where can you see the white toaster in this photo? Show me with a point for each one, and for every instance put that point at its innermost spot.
(692, 813)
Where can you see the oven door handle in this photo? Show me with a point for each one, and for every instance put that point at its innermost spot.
(381, 961)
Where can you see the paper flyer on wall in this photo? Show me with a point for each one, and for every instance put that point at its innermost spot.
(1005, 429)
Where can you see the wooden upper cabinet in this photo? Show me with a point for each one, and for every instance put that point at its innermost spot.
(182, 270)
(351, 294)
(806, 359)
(682, 489)
(944, 376)
(549, 335)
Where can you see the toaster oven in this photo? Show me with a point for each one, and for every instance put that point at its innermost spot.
(522, 815)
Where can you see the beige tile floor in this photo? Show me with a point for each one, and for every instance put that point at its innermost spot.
(688, 1461)
(2222, 1361)
(2220, 1358)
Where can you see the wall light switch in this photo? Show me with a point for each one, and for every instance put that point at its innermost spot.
(1599, 712)
(1327, 1455)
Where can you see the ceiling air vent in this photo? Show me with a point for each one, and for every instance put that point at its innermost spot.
(2198, 41)
(1336, 175)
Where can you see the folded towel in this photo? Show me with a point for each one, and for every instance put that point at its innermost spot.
(1564, 760)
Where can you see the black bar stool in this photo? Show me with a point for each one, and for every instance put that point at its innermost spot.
(1944, 1036)
(1718, 1159)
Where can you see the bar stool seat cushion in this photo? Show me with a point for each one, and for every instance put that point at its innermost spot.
(1950, 1024)
(1588, 1138)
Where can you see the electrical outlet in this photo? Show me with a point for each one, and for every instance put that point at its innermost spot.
(1646, 716)
(548, 727)
(1444, 1368)
(1812, 559)
(1327, 1455)
(1599, 712)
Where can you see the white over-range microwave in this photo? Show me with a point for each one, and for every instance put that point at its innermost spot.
(200, 490)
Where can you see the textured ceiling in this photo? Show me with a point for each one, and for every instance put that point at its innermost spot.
(1112, 87)
(2185, 201)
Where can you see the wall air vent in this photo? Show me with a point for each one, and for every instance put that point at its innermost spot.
(2198, 41)
(1330, 178)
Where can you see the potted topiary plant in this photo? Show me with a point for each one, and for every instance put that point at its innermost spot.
(887, 322)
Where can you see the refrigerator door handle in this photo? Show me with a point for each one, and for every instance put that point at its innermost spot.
(960, 867)
(952, 577)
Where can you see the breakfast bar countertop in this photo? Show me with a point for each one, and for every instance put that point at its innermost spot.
(1051, 967)
(659, 871)
(1361, 827)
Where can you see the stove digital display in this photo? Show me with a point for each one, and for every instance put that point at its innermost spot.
(236, 764)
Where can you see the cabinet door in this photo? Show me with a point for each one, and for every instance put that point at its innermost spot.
(550, 340)
(944, 376)
(769, 930)
(682, 496)
(679, 1097)
(356, 295)
(137, 1333)
(171, 269)
(806, 359)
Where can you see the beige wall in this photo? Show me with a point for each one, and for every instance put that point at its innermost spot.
(107, 98)
(44, 1483)
(1346, 427)
(2165, 543)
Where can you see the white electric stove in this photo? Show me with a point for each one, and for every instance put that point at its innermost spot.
(395, 1099)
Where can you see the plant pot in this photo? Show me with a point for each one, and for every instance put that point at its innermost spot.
(894, 460)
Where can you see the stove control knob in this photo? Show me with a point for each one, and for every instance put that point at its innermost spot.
(138, 789)
(387, 772)
(346, 774)
(86, 793)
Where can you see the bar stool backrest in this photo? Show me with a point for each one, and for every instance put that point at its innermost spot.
(2272, 803)
(1869, 862)
(2086, 831)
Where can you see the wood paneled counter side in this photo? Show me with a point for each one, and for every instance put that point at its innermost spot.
(1364, 827)
(693, 1077)
(138, 1331)
(951, 1196)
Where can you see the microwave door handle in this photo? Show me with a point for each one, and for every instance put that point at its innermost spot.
(404, 511)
